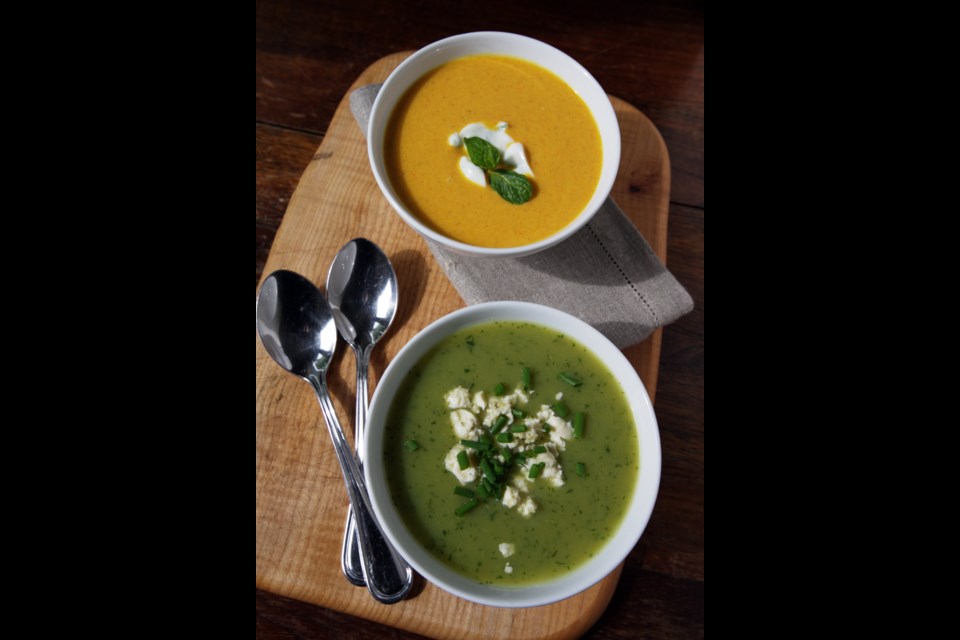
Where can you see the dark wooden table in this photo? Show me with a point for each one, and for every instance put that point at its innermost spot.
(647, 53)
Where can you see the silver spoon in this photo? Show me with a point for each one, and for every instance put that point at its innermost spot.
(362, 289)
(297, 329)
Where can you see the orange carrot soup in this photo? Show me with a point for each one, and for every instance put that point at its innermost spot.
(535, 167)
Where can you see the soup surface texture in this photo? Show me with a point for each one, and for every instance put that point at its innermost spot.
(542, 112)
(537, 529)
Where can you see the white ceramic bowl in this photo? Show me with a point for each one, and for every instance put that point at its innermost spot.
(638, 511)
(568, 69)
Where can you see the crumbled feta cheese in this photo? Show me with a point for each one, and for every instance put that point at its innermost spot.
(450, 462)
(533, 432)
(521, 395)
(464, 423)
(559, 395)
(545, 413)
(527, 508)
(509, 497)
(496, 407)
(507, 549)
(479, 402)
(508, 568)
(458, 398)
(560, 432)
(552, 473)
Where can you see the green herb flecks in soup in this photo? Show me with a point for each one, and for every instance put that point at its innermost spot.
(526, 453)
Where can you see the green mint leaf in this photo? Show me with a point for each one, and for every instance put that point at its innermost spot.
(512, 187)
(482, 153)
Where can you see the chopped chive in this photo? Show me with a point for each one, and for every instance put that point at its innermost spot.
(561, 409)
(535, 470)
(482, 491)
(529, 453)
(518, 413)
(525, 378)
(487, 469)
(578, 424)
(499, 424)
(500, 491)
(539, 449)
(507, 458)
(473, 444)
(506, 436)
(486, 484)
(581, 469)
(413, 445)
(547, 428)
(518, 428)
(499, 389)
(463, 491)
(497, 468)
(466, 506)
(463, 460)
(571, 379)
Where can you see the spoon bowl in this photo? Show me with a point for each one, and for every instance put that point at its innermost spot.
(296, 326)
(362, 290)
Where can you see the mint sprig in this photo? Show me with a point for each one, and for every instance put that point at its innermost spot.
(482, 153)
(512, 187)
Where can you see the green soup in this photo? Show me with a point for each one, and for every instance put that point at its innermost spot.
(596, 472)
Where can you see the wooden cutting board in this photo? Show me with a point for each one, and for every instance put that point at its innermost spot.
(301, 501)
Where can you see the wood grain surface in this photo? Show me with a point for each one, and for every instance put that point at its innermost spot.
(651, 54)
(300, 504)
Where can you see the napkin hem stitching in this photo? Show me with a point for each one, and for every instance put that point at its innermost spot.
(623, 274)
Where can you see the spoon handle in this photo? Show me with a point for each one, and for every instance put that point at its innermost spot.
(350, 553)
(382, 568)
(363, 368)
(350, 562)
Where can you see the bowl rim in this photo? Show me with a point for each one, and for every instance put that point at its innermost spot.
(602, 110)
(639, 509)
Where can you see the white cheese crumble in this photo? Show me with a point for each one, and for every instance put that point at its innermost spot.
(507, 549)
(450, 462)
(479, 402)
(560, 431)
(458, 398)
(551, 473)
(507, 568)
(527, 508)
(464, 423)
(498, 406)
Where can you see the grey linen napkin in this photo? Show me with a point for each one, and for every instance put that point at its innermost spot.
(606, 274)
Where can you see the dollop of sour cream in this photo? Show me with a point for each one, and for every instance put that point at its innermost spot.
(512, 152)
